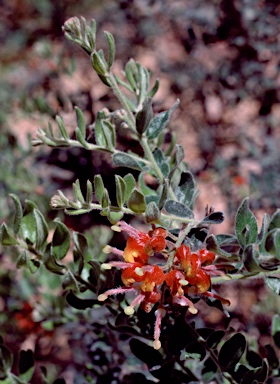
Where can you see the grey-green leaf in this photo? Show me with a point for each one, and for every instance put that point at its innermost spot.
(98, 130)
(246, 226)
(272, 242)
(160, 121)
(172, 207)
(109, 133)
(130, 185)
(125, 160)
(112, 48)
(144, 117)
(78, 196)
(81, 121)
(161, 162)
(98, 188)
(152, 213)
(120, 190)
(186, 192)
(251, 259)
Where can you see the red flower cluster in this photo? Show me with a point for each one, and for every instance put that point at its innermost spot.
(187, 273)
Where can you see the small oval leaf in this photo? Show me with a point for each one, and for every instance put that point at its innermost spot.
(232, 351)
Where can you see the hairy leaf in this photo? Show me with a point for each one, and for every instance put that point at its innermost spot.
(246, 226)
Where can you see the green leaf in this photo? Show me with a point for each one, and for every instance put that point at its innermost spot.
(60, 241)
(112, 48)
(246, 226)
(272, 242)
(147, 191)
(98, 63)
(120, 190)
(144, 117)
(125, 160)
(89, 192)
(214, 339)
(195, 351)
(26, 365)
(6, 359)
(51, 264)
(33, 265)
(22, 260)
(214, 218)
(232, 351)
(131, 72)
(160, 121)
(99, 188)
(161, 162)
(152, 213)
(80, 242)
(78, 303)
(143, 82)
(18, 213)
(28, 223)
(273, 283)
(62, 129)
(172, 207)
(114, 217)
(105, 199)
(6, 236)
(78, 196)
(130, 185)
(80, 121)
(42, 229)
(136, 202)
(275, 221)
(69, 282)
(212, 244)
(81, 139)
(154, 89)
(275, 329)
(146, 353)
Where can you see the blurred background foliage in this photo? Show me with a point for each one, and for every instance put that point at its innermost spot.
(220, 58)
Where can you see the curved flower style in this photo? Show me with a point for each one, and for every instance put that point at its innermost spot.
(186, 273)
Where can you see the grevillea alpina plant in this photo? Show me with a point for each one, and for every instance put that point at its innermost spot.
(168, 263)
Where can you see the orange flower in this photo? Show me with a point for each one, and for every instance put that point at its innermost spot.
(189, 262)
(206, 257)
(174, 281)
(201, 281)
(141, 245)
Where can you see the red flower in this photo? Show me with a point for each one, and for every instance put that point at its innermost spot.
(186, 273)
